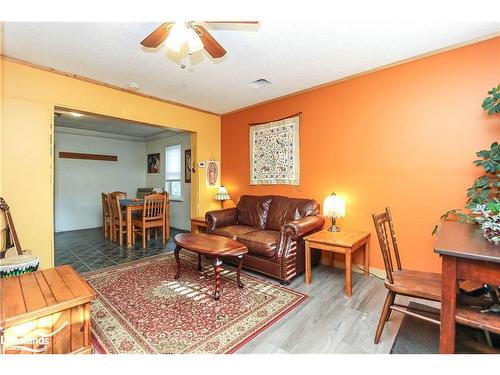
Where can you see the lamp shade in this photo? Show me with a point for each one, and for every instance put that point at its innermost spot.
(194, 42)
(334, 206)
(177, 36)
(222, 194)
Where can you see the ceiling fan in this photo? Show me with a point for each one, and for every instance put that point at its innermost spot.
(191, 33)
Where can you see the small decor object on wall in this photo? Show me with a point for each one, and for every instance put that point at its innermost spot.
(188, 166)
(213, 173)
(274, 152)
(154, 163)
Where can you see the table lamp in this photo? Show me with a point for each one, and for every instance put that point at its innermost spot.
(334, 207)
(222, 195)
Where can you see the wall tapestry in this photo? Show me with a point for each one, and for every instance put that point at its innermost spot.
(274, 152)
(188, 166)
(154, 163)
(213, 173)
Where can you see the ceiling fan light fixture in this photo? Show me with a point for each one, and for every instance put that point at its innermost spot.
(193, 41)
(177, 36)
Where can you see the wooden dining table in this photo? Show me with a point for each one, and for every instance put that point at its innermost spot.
(465, 255)
(130, 206)
(137, 205)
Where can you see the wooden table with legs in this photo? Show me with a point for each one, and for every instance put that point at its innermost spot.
(197, 223)
(137, 205)
(465, 255)
(212, 246)
(343, 242)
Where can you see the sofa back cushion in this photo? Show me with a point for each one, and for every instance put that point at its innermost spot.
(253, 210)
(284, 209)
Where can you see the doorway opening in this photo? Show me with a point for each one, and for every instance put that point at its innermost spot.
(95, 154)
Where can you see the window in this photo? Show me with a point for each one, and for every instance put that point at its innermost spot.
(173, 174)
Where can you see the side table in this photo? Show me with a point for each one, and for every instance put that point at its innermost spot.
(197, 223)
(346, 242)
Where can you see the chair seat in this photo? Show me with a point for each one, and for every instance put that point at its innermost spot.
(117, 222)
(416, 284)
(148, 224)
(261, 242)
(233, 231)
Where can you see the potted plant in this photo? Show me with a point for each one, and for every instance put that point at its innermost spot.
(483, 203)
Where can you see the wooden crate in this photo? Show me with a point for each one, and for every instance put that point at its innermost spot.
(45, 312)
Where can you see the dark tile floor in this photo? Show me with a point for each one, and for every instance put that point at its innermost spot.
(87, 250)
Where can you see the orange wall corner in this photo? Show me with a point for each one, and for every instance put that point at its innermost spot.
(403, 137)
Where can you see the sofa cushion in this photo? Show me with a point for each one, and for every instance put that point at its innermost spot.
(253, 210)
(284, 209)
(260, 242)
(233, 231)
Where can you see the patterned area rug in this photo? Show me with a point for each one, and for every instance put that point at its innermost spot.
(140, 308)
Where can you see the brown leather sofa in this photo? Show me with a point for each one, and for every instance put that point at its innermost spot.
(272, 227)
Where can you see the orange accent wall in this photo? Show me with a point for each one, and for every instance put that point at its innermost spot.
(403, 137)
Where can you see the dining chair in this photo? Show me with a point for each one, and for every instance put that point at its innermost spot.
(118, 222)
(167, 216)
(106, 217)
(153, 216)
(121, 194)
(399, 281)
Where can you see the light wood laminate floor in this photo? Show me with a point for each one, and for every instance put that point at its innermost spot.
(329, 322)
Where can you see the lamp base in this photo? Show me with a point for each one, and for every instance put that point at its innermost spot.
(334, 227)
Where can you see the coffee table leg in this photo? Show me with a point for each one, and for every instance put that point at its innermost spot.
(217, 269)
(240, 264)
(199, 262)
(178, 261)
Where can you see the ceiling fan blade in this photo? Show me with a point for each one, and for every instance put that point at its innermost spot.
(154, 39)
(244, 22)
(211, 45)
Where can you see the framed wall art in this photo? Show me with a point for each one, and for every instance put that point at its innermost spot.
(188, 166)
(154, 163)
(274, 152)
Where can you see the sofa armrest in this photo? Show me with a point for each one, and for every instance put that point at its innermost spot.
(301, 227)
(221, 218)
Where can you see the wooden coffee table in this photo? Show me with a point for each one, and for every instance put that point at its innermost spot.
(213, 246)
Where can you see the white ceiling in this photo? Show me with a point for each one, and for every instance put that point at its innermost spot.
(106, 126)
(292, 55)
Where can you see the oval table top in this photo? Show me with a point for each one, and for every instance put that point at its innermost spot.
(210, 244)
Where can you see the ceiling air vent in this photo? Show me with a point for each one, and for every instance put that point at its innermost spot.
(259, 83)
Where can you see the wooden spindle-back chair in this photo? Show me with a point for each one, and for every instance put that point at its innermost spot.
(423, 285)
(120, 194)
(107, 217)
(153, 216)
(118, 222)
(167, 216)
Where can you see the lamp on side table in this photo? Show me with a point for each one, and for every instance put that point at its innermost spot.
(222, 195)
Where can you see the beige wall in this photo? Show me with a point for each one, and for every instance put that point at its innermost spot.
(28, 98)
(179, 210)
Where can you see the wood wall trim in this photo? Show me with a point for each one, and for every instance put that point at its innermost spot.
(99, 83)
(78, 155)
(387, 66)
(280, 119)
